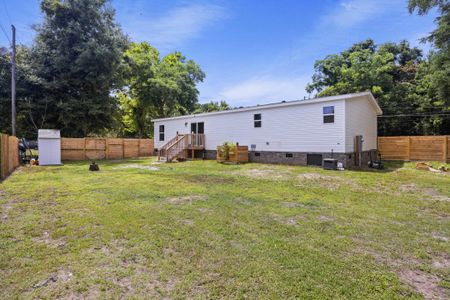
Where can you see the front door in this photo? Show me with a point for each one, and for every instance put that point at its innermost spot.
(198, 127)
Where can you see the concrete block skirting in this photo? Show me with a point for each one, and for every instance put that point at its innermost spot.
(300, 158)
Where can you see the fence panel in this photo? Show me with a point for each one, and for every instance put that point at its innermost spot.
(104, 148)
(428, 148)
(9, 154)
(130, 148)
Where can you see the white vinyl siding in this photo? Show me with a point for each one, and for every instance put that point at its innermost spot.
(296, 128)
(361, 119)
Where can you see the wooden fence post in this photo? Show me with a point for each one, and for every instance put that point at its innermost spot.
(106, 149)
(444, 153)
(409, 149)
(139, 147)
(1, 156)
(123, 149)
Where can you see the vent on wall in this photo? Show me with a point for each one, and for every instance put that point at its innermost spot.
(257, 154)
(289, 155)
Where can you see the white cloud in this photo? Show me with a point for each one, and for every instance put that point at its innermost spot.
(177, 26)
(264, 89)
(353, 12)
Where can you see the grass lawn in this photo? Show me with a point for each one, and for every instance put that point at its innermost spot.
(206, 230)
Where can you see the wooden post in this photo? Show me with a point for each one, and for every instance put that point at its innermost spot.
(1, 156)
(106, 149)
(408, 153)
(139, 147)
(84, 149)
(123, 149)
(444, 153)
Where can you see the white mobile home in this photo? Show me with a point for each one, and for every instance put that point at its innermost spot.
(293, 132)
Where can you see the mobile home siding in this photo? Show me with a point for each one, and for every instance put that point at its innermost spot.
(361, 119)
(296, 128)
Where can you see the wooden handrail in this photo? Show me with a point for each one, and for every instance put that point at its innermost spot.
(176, 146)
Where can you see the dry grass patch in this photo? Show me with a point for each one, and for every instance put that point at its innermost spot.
(186, 199)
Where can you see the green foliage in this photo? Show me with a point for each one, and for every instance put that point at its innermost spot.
(77, 56)
(437, 79)
(156, 87)
(225, 149)
(211, 106)
(31, 101)
(396, 74)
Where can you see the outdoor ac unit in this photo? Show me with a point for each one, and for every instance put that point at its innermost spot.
(330, 164)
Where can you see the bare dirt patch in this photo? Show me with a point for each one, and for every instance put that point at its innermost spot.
(408, 188)
(291, 204)
(5, 210)
(60, 276)
(331, 183)
(186, 199)
(440, 237)
(49, 241)
(273, 174)
(137, 166)
(326, 218)
(291, 221)
(441, 263)
(407, 269)
(429, 193)
(424, 283)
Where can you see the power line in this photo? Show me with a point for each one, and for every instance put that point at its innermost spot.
(6, 10)
(414, 115)
(4, 32)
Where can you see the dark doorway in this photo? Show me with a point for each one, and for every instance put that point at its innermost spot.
(198, 127)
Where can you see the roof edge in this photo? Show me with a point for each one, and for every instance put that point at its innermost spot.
(284, 104)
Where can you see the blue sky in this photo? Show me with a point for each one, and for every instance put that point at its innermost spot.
(253, 51)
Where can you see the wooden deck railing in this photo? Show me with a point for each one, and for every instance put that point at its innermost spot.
(177, 147)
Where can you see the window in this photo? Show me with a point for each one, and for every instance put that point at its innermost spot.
(328, 114)
(257, 120)
(161, 132)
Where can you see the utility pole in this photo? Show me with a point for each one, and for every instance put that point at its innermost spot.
(13, 81)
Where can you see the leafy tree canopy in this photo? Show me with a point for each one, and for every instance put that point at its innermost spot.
(211, 106)
(77, 55)
(397, 76)
(156, 87)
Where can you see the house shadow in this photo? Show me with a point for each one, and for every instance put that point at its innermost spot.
(388, 167)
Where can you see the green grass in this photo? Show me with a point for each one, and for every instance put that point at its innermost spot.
(206, 230)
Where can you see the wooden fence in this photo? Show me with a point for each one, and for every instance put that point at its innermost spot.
(104, 148)
(237, 154)
(9, 154)
(427, 148)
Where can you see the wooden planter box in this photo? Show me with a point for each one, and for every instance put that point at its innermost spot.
(238, 154)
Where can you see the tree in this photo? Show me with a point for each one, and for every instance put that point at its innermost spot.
(156, 88)
(211, 106)
(77, 55)
(437, 77)
(395, 73)
(31, 104)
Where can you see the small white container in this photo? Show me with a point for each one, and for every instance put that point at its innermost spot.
(49, 141)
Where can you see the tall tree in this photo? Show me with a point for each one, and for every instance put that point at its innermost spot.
(394, 73)
(156, 87)
(77, 55)
(437, 77)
